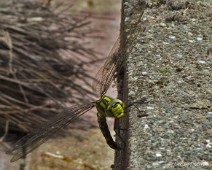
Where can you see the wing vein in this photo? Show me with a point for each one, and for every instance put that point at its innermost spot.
(41, 135)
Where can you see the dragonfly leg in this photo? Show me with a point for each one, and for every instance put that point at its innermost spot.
(106, 133)
(134, 104)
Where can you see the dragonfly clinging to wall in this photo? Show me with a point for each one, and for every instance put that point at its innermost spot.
(106, 107)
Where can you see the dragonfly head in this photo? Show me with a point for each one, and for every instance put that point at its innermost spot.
(117, 108)
(109, 107)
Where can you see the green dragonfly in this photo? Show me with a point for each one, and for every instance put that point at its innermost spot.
(106, 107)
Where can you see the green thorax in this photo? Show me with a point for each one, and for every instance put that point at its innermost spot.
(110, 107)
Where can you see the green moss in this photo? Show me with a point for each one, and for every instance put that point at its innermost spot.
(164, 70)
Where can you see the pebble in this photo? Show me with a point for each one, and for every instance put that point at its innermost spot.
(201, 61)
(172, 37)
(199, 38)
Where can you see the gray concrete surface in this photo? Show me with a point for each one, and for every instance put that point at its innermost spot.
(169, 68)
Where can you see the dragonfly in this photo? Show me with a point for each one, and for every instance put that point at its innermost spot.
(106, 106)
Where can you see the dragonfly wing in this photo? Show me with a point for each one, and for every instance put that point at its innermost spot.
(115, 60)
(105, 75)
(31, 141)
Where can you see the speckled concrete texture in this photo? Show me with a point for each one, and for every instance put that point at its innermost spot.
(169, 69)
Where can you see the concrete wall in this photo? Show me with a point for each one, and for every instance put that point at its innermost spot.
(169, 69)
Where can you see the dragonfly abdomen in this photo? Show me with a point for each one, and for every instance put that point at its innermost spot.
(106, 133)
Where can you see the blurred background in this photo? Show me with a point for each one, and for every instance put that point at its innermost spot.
(54, 48)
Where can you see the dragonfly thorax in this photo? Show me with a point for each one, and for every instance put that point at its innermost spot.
(110, 107)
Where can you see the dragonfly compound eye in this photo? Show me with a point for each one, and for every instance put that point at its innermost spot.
(117, 110)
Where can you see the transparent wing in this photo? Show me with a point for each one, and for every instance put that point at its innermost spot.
(105, 75)
(115, 60)
(31, 141)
